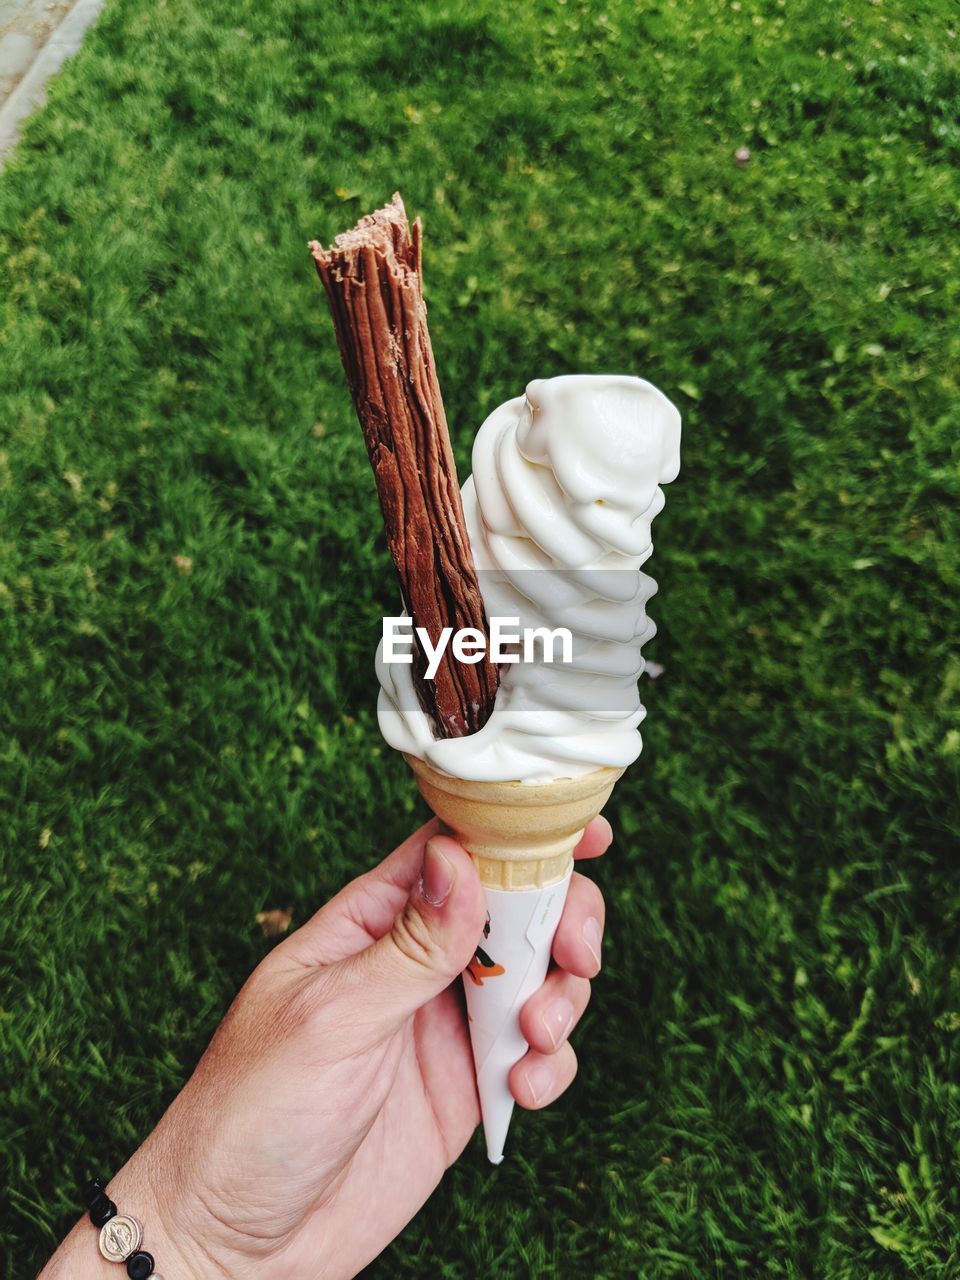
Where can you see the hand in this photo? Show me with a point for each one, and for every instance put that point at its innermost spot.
(340, 1085)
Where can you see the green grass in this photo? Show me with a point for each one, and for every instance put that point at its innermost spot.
(770, 1065)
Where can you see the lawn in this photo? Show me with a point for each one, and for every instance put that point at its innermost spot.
(193, 572)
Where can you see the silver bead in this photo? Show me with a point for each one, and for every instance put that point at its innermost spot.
(120, 1237)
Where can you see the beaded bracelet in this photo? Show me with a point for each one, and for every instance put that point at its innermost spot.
(120, 1235)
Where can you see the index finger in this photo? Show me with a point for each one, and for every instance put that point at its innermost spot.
(595, 840)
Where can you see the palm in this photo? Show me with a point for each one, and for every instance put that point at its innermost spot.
(426, 1119)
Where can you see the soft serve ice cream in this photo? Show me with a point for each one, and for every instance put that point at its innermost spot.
(565, 485)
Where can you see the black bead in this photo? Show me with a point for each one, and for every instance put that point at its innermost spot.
(140, 1265)
(102, 1210)
(92, 1189)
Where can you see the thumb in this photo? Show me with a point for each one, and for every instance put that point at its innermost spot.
(431, 940)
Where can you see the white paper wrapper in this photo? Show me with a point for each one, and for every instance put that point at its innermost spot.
(510, 964)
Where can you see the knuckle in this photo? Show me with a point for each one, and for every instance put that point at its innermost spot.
(412, 937)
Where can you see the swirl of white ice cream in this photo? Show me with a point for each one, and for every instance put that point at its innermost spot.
(566, 482)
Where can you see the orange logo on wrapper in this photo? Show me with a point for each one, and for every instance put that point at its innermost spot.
(481, 966)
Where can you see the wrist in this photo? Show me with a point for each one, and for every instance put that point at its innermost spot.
(165, 1237)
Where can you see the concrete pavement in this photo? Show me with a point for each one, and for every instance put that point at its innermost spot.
(36, 38)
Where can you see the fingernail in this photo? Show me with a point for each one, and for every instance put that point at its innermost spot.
(558, 1019)
(592, 936)
(539, 1077)
(437, 876)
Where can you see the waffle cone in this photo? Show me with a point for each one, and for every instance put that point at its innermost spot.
(521, 835)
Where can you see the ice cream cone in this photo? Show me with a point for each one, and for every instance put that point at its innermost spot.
(521, 834)
(521, 837)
